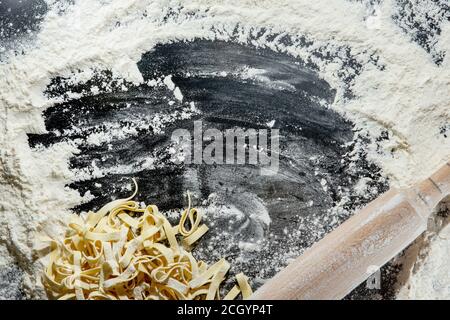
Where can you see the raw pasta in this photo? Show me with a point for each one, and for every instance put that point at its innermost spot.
(125, 251)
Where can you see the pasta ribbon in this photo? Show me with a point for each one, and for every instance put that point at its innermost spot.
(125, 251)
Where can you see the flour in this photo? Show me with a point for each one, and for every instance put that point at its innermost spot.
(425, 263)
(429, 278)
(396, 87)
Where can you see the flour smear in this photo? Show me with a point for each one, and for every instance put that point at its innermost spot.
(388, 81)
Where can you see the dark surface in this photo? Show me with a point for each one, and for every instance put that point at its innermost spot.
(307, 129)
(19, 20)
(311, 145)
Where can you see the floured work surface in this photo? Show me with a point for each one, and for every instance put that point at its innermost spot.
(258, 221)
(87, 102)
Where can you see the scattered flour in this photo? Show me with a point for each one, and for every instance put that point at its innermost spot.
(430, 277)
(398, 89)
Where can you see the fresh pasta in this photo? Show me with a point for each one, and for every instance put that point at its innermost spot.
(125, 251)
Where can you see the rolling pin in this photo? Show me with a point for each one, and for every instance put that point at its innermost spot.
(338, 263)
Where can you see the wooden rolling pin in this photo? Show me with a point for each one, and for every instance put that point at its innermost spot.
(338, 263)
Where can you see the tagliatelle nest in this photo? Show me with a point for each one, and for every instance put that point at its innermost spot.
(124, 251)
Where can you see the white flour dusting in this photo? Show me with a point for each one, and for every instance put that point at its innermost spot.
(429, 277)
(404, 93)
